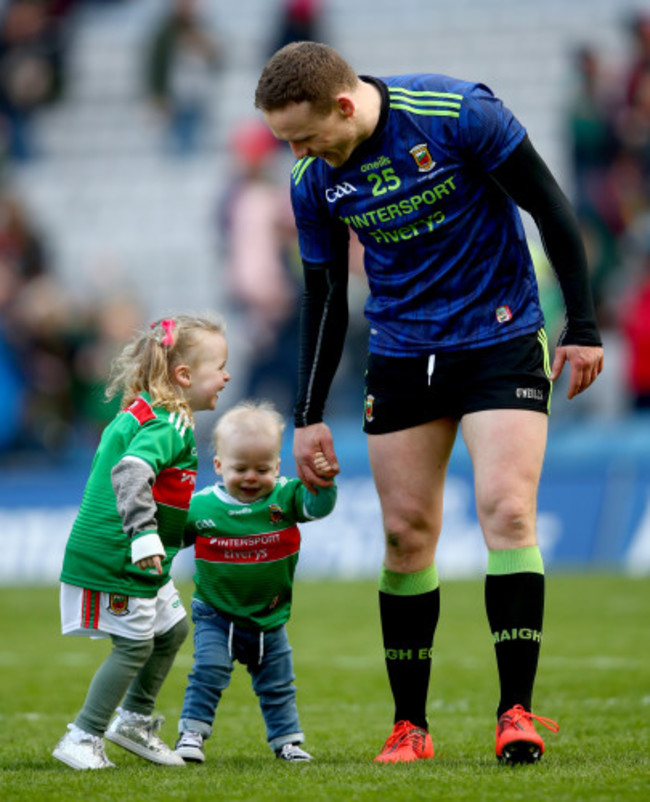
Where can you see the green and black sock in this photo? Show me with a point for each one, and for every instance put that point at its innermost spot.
(409, 606)
(514, 602)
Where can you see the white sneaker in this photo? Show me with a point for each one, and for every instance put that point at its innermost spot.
(139, 734)
(81, 750)
(293, 753)
(190, 746)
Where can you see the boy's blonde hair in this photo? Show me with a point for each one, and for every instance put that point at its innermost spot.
(248, 417)
(148, 361)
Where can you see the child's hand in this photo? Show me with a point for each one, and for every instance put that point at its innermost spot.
(151, 562)
(322, 465)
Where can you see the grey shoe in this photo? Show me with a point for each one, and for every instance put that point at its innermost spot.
(190, 747)
(139, 734)
(293, 753)
(81, 750)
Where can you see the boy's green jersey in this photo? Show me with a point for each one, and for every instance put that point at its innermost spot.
(246, 554)
(98, 551)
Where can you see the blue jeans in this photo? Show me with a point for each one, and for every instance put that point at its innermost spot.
(266, 655)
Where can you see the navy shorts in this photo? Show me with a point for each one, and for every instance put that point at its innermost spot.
(402, 392)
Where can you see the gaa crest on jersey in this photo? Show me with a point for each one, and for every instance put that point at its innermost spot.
(503, 313)
(276, 512)
(369, 408)
(422, 157)
(118, 604)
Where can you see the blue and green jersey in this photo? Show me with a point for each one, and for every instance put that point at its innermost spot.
(446, 256)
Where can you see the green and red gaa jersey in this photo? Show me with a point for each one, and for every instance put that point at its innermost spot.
(246, 554)
(98, 551)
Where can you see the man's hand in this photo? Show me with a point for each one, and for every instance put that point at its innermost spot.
(586, 363)
(313, 450)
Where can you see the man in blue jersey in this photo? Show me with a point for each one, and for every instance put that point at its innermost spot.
(429, 171)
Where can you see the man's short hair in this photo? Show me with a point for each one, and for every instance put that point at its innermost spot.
(304, 71)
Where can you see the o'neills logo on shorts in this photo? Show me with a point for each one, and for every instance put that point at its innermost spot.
(368, 408)
(118, 604)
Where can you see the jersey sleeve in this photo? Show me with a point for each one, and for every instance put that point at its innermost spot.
(132, 481)
(489, 131)
(319, 236)
(310, 507)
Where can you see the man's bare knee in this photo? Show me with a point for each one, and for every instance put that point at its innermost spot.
(410, 546)
(508, 523)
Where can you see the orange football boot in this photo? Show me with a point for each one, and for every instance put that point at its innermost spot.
(517, 740)
(406, 743)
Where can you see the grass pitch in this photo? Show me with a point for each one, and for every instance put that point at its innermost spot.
(594, 678)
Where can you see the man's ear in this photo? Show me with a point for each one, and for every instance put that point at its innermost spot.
(183, 375)
(346, 105)
(217, 465)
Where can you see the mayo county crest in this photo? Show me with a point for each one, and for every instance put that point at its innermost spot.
(118, 604)
(276, 512)
(422, 157)
(368, 407)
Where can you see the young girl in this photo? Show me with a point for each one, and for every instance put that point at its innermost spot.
(115, 579)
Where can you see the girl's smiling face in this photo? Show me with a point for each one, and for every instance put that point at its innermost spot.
(207, 372)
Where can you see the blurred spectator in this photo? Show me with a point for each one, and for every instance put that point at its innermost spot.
(33, 38)
(182, 59)
(632, 165)
(610, 126)
(298, 20)
(634, 319)
(593, 149)
(21, 245)
(639, 35)
(636, 328)
(591, 130)
(12, 384)
(66, 347)
(108, 326)
(260, 252)
(42, 320)
(32, 310)
(54, 350)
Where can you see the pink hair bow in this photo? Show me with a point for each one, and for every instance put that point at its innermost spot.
(168, 328)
